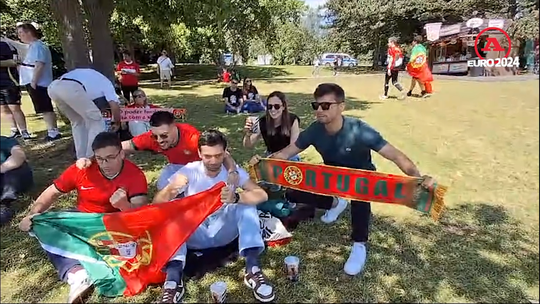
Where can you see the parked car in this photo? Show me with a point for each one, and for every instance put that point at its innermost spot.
(328, 59)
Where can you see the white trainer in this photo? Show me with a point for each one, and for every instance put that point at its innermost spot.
(357, 259)
(79, 286)
(332, 215)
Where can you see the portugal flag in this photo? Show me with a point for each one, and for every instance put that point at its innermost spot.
(123, 252)
(417, 66)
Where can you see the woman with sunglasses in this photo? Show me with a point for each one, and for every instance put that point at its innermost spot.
(139, 101)
(253, 102)
(278, 128)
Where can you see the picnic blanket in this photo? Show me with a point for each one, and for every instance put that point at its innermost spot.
(352, 184)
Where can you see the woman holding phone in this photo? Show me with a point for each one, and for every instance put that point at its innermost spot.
(278, 128)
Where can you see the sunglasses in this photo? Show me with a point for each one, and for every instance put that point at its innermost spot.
(161, 136)
(324, 105)
(274, 106)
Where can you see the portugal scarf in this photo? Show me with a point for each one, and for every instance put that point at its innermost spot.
(354, 184)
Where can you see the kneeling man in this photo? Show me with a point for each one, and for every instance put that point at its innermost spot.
(238, 217)
(110, 184)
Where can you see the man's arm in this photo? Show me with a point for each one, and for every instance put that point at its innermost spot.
(128, 147)
(38, 70)
(9, 63)
(14, 161)
(139, 201)
(305, 139)
(177, 184)
(287, 152)
(252, 194)
(400, 159)
(229, 163)
(45, 200)
(115, 111)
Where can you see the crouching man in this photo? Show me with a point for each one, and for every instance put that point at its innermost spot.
(110, 184)
(238, 217)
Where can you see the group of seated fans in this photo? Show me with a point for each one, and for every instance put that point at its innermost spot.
(108, 182)
(242, 100)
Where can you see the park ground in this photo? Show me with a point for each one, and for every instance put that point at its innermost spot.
(478, 138)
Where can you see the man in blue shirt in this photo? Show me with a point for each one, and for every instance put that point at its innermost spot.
(345, 142)
(15, 175)
(10, 93)
(36, 74)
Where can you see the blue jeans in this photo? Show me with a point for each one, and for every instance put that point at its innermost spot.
(224, 226)
(62, 264)
(252, 106)
(168, 171)
(229, 109)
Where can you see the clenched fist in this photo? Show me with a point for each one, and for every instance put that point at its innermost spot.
(178, 181)
(254, 160)
(83, 163)
(228, 194)
(119, 199)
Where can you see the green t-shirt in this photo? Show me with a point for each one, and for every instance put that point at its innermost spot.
(6, 144)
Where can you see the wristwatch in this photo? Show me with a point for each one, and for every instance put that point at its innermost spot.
(236, 198)
(234, 171)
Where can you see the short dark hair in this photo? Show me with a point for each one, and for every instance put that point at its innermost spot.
(161, 118)
(330, 88)
(418, 38)
(212, 138)
(106, 139)
(126, 53)
(28, 27)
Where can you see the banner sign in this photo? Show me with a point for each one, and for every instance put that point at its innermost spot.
(143, 114)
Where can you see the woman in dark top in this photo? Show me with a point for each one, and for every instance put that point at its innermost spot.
(253, 102)
(278, 128)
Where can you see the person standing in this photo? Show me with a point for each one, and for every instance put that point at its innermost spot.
(165, 69)
(10, 93)
(82, 95)
(344, 142)
(418, 68)
(128, 73)
(36, 74)
(316, 67)
(395, 60)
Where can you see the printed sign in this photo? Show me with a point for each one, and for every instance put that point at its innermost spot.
(143, 114)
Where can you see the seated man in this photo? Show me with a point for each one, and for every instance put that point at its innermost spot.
(15, 175)
(110, 184)
(233, 98)
(238, 217)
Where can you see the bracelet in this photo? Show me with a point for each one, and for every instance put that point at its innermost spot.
(234, 171)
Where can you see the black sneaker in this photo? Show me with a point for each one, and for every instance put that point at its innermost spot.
(262, 290)
(25, 135)
(409, 94)
(15, 134)
(51, 138)
(172, 293)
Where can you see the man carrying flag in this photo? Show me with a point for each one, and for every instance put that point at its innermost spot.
(418, 68)
(238, 218)
(110, 184)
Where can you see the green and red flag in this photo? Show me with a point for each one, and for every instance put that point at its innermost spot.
(354, 184)
(123, 252)
(418, 66)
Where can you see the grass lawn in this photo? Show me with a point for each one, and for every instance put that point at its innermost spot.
(481, 139)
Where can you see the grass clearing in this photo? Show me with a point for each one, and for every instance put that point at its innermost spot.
(481, 139)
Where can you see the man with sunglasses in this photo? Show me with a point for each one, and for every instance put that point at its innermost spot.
(110, 184)
(176, 141)
(233, 98)
(344, 142)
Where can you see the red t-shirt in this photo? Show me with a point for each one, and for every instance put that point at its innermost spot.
(396, 55)
(95, 190)
(226, 77)
(129, 79)
(185, 151)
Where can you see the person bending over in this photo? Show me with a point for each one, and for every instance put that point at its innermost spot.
(237, 218)
(110, 184)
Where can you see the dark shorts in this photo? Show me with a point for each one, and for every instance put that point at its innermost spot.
(40, 98)
(10, 96)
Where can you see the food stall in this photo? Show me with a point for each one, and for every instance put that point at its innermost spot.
(452, 46)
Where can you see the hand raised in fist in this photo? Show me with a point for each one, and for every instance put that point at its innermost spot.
(119, 199)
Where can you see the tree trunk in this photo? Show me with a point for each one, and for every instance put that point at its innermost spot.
(70, 20)
(98, 13)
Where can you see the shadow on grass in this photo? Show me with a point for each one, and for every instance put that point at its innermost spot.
(210, 72)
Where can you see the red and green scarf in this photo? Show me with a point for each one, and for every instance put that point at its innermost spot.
(352, 184)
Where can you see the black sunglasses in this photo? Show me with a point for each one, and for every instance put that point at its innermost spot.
(274, 106)
(324, 105)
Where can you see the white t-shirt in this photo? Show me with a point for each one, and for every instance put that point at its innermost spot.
(198, 181)
(95, 83)
(165, 63)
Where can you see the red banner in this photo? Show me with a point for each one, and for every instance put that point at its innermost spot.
(143, 114)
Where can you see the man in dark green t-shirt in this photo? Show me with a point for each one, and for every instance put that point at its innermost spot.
(345, 142)
(15, 175)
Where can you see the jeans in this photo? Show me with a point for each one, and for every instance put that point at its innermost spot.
(62, 264)
(360, 211)
(138, 127)
(230, 110)
(15, 182)
(252, 106)
(224, 226)
(166, 173)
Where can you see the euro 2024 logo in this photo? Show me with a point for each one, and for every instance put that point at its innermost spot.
(492, 44)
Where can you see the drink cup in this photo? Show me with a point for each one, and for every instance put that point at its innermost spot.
(218, 291)
(292, 264)
(254, 124)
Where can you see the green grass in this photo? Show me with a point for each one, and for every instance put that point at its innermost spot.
(480, 139)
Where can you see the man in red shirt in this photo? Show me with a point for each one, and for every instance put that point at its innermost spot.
(128, 73)
(178, 142)
(394, 61)
(110, 184)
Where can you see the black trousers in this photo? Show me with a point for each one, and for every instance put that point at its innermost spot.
(360, 211)
(15, 182)
(128, 91)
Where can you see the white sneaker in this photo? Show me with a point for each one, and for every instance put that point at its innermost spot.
(332, 215)
(383, 97)
(357, 259)
(79, 286)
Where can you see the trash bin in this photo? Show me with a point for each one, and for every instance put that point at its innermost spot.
(476, 71)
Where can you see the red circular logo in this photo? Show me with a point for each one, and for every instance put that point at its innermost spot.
(491, 40)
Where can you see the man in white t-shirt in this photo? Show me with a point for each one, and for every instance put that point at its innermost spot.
(237, 218)
(82, 95)
(165, 67)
